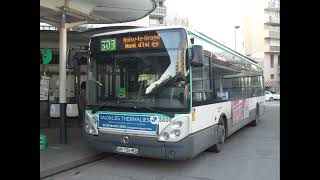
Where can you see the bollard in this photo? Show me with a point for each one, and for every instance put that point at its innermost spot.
(43, 142)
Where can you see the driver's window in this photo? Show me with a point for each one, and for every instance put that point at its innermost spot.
(201, 86)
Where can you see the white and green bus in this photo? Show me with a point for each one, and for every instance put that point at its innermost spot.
(167, 92)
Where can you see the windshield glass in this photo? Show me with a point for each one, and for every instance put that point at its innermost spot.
(130, 76)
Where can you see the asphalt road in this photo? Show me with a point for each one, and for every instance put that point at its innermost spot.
(253, 153)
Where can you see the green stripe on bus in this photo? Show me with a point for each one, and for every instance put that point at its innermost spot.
(224, 48)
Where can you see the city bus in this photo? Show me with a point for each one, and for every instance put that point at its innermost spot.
(167, 93)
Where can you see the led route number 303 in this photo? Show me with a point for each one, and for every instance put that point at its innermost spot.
(108, 44)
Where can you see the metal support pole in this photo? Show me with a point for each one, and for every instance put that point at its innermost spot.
(62, 79)
(235, 39)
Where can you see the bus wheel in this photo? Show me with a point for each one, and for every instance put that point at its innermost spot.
(221, 137)
(256, 120)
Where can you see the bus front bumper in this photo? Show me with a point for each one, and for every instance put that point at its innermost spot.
(186, 148)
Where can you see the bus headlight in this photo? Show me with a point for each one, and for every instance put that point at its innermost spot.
(90, 124)
(164, 136)
(175, 131)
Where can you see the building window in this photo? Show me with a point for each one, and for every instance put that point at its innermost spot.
(272, 76)
(271, 61)
(160, 21)
(279, 60)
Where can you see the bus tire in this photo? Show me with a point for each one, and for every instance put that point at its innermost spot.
(221, 137)
(257, 118)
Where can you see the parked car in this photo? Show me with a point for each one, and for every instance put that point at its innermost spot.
(276, 96)
(268, 96)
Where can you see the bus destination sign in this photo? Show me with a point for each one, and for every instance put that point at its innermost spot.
(144, 41)
(136, 41)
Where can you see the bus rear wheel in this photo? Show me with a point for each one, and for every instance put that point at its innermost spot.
(221, 137)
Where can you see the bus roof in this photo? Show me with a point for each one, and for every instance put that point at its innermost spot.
(189, 31)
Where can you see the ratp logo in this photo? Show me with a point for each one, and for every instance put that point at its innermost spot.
(154, 120)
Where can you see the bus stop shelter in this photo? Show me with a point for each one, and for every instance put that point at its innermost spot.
(65, 14)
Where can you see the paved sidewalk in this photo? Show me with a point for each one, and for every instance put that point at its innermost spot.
(56, 157)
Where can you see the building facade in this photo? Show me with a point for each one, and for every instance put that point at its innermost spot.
(157, 16)
(272, 46)
(262, 38)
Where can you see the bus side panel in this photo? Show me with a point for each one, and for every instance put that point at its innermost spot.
(252, 114)
(208, 115)
(261, 99)
(252, 103)
(255, 100)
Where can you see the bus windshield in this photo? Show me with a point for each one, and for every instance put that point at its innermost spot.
(129, 76)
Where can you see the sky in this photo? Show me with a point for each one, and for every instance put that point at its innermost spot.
(215, 18)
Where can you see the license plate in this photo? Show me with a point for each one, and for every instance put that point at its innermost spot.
(127, 150)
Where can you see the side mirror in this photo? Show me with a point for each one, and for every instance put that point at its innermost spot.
(71, 58)
(197, 58)
(74, 57)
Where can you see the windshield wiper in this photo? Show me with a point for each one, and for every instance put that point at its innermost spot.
(156, 86)
(155, 110)
(99, 107)
(106, 104)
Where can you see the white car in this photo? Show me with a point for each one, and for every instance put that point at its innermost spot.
(268, 96)
(276, 96)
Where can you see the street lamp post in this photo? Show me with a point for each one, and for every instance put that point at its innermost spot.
(235, 37)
